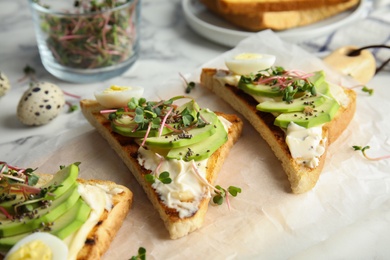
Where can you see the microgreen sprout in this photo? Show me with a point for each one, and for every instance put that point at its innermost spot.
(189, 85)
(370, 91)
(157, 116)
(364, 89)
(162, 177)
(288, 83)
(221, 193)
(141, 254)
(103, 38)
(29, 72)
(363, 150)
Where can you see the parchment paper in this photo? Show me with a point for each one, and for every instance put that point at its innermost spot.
(346, 215)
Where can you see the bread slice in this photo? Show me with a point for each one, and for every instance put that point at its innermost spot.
(278, 20)
(251, 6)
(100, 237)
(127, 149)
(102, 234)
(301, 178)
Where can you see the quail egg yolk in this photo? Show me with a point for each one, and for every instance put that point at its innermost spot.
(117, 96)
(32, 250)
(247, 63)
(38, 245)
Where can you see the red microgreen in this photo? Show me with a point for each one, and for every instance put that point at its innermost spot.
(363, 150)
(287, 82)
(103, 38)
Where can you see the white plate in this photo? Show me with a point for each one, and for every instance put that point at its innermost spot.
(217, 30)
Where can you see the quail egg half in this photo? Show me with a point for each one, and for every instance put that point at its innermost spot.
(247, 63)
(39, 245)
(40, 104)
(118, 96)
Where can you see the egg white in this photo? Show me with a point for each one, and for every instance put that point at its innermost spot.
(247, 63)
(56, 245)
(117, 96)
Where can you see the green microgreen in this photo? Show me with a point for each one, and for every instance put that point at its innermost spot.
(103, 38)
(141, 114)
(370, 91)
(363, 149)
(162, 177)
(189, 86)
(28, 72)
(287, 83)
(221, 193)
(141, 254)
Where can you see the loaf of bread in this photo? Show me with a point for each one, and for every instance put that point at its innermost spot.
(276, 15)
(127, 148)
(301, 177)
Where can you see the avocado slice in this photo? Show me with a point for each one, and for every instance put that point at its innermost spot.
(271, 91)
(201, 150)
(128, 131)
(299, 103)
(65, 225)
(64, 179)
(126, 125)
(319, 115)
(193, 136)
(58, 207)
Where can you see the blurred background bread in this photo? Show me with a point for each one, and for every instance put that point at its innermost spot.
(256, 15)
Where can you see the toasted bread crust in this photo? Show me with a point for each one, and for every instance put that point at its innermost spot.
(301, 178)
(100, 237)
(127, 150)
(251, 6)
(259, 17)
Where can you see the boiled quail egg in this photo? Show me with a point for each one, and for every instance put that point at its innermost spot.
(40, 104)
(39, 245)
(4, 84)
(118, 96)
(247, 63)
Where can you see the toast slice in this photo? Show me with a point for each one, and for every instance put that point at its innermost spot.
(252, 6)
(278, 20)
(302, 178)
(96, 239)
(128, 150)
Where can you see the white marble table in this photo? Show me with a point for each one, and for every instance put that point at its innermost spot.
(168, 47)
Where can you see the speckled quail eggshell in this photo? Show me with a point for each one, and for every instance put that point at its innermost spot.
(4, 84)
(40, 104)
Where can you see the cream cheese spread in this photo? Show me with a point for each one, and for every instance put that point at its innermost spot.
(187, 189)
(98, 197)
(306, 144)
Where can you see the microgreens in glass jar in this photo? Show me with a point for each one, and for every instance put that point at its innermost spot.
(86, 40)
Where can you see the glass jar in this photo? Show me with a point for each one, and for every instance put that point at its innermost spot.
(87, 41)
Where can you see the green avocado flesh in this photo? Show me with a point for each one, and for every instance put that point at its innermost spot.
(65, 213)
(193, 136)
(201, 150)
(58, 207)
(297, 104)
(321, 114)
(66, 177)
(62, 227)
(306, 110)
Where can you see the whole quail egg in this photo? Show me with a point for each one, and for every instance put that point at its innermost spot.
(39, 245)
(247, 63)
(4, 84)
(40, 104)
